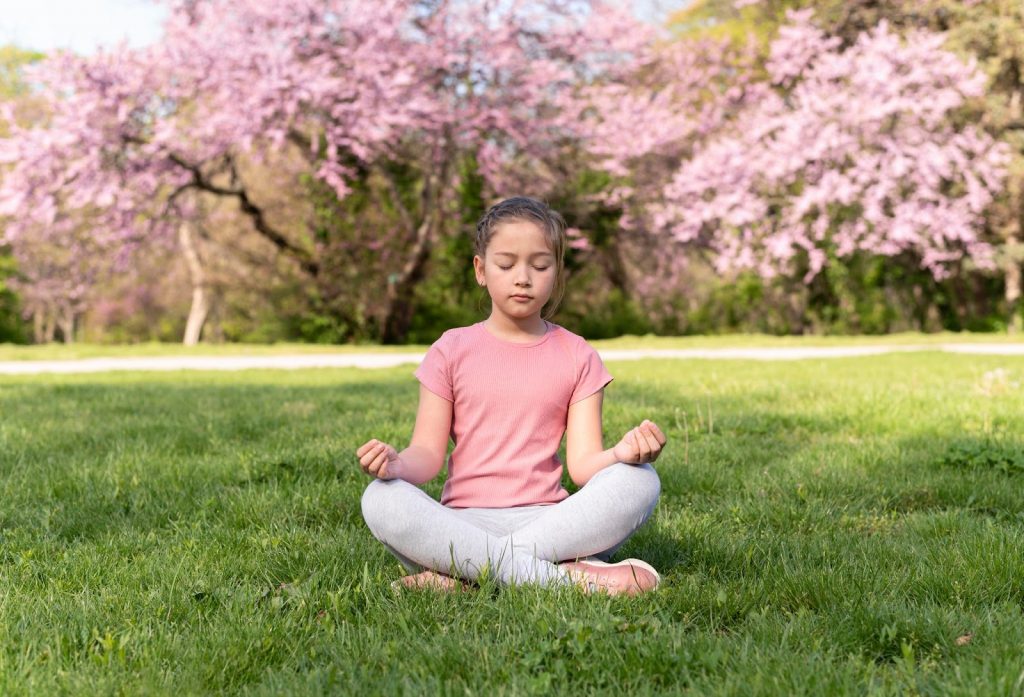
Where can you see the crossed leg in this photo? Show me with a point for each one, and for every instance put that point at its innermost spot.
(596, 520)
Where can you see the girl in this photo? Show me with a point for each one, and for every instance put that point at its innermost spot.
(506, 390)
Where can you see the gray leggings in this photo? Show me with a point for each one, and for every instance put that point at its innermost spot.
(517, 545)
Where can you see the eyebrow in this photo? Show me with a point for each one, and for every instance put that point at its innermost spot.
(535, 254)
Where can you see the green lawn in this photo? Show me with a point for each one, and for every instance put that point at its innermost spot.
(11, 352)
(846, 526)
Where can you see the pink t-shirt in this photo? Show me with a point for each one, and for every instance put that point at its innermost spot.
(509, 407)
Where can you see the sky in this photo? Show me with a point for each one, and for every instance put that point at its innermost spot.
(84, 25)
(79, 25)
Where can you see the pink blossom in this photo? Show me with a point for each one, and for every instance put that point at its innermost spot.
(862, 134)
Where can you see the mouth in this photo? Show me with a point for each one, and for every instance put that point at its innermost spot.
(522, 297)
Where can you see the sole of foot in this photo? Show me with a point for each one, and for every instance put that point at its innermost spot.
(428, 580)
(627, 577)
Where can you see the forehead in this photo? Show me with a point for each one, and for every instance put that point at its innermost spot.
(519, 237)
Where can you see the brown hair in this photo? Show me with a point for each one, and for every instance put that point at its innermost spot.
(526, 209)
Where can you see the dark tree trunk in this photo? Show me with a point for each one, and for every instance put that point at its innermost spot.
(398, 315)
(614, 266)
(1013, 285)
(423, 229)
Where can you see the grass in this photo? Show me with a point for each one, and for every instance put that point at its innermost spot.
(847, 526)
(12, 352)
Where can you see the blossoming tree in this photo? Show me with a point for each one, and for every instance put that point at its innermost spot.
(838, 150)
(134, 136)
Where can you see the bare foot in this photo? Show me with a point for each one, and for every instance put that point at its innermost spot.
(627, 577)
(430, 580)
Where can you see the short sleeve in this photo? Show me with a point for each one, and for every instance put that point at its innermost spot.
(435, 373)
(591, 373)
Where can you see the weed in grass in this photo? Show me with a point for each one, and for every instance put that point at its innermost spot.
(1001, 454)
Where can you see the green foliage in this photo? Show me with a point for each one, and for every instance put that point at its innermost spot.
(743, 304)
(716, 19)
(12, 61)
(1004, 454)
(602, 316)
(448, 296)
(12, 327)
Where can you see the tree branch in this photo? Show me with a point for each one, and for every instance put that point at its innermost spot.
(255, 213)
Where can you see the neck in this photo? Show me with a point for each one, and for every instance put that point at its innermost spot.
(502, 325)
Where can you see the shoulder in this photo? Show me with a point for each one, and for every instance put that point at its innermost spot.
(452, 340)
(574, 343)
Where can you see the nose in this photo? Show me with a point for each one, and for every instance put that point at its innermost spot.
(523, 277)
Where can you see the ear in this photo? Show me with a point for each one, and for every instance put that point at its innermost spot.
(478, 270)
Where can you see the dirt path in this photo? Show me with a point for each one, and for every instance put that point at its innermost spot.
(387, 360)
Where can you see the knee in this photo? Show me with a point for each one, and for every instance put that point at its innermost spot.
(377, 504)
(639, 484)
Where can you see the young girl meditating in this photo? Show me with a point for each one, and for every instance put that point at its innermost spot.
(506, 390)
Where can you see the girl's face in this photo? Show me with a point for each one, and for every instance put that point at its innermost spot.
(518, 269)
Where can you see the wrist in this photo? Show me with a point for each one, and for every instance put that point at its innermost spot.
(396, 468)
(591, 465)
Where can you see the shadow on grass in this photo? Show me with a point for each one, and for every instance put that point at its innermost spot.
(85, 458)
(81, 460)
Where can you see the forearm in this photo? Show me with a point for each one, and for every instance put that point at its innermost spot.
(586, 466)
(416, 465)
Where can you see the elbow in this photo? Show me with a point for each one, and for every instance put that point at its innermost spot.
(579, 478)
(424, 473)
(433, 470)
(419, 465)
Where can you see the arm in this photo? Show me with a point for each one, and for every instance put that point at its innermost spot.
(423, 459)
(584, 448)
(585, 455)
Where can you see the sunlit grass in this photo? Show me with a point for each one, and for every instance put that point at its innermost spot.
(10, 352)
(826, 527)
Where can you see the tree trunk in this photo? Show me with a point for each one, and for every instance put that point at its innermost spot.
(796, 302)
(1013, 284)
(49, 326)
(1014, 243)
(402, 285)
(200, 307)
(614, 266)
(38, 330)
(67, 325)
(398, 315)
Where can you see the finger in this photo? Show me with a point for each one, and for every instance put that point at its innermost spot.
(366, 447)
(643, 450)
(658, 433)
(380, 467)
(656, 450)
(650, 441)
(370, 455)
(366, 463)
(374, 461)
(377, 463)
